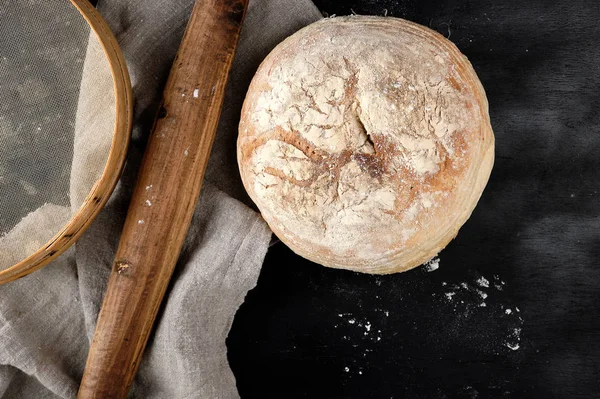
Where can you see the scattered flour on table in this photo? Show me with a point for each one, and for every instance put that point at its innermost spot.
(478, 287)
(364, 336)
(463, 294)
(464, 303)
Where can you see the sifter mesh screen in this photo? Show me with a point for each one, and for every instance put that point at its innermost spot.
(57, 120)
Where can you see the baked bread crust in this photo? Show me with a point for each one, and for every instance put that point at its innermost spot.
(365, 142)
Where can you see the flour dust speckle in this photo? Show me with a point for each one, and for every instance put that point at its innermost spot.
(514, 339)
(498, 283)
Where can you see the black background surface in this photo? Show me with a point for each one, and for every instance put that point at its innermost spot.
(308, 331)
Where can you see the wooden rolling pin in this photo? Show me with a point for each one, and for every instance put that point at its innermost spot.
(164, 197)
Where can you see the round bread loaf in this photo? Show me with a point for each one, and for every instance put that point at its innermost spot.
(365, 142)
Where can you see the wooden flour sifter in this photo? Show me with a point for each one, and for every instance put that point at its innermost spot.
(164, 197)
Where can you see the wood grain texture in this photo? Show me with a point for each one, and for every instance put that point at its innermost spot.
(104, 187)
(164, 197)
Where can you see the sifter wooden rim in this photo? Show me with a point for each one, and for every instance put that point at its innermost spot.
(104, 187)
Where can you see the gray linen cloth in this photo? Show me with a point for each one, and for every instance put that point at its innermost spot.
(47, 319)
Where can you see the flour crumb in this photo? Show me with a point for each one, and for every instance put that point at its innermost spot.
(483, 282)
(351, 321)
(482, 305)
(140, 221)
(148, 203)
(511, 346)
(148, 187)
(368, 326)
(449, 295)
(432, 265)
(508, 311)
(187, 152)
(196, 91)
(346, 369)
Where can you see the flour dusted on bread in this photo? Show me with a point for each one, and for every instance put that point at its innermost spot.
(365, 142)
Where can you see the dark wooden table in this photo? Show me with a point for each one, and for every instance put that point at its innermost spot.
(514, 308)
